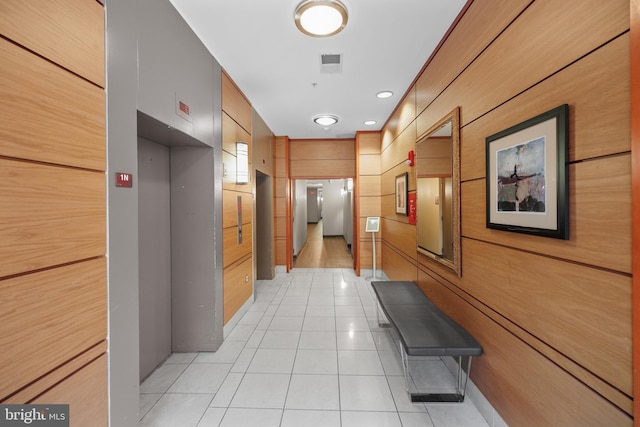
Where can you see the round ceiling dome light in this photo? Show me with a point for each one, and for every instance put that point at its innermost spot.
(384, 94)
(325, 119)
(321, 18)
(370, 122)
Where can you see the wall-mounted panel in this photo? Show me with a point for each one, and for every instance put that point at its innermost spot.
(486, 86)
(483, 21)
(594, 241)
(369, 185)
(401, 236)
(403, 115)
(86, 394)
(369, 164)
(263, 145)
(322, 149)
(534, 302)
(598, 339)
(230, 208)
(368, 142)
(57, 216)
(66, 120)
(232, 132)
(605, 118)
(238, 285)
(67, 32)
(235, 104)
(63, 311)
(510, 382)
(397, 153)
(233, 249)
(322, 168)
(396, 265)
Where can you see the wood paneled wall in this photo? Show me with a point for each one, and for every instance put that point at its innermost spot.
(322, 158)
(553, 316)
(281, 179)
(368, 201)
(237, 257)
(53, 290)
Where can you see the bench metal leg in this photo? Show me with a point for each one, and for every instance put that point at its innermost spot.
(382, 323)
(464, 368)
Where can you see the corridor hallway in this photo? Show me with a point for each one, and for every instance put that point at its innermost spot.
(307, 353)
(323, 252)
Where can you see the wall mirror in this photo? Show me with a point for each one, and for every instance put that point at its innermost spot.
(438, 192)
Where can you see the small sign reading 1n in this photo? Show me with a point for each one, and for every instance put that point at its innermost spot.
(124, 180)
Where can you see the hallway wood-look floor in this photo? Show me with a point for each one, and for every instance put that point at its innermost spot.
(323, 252)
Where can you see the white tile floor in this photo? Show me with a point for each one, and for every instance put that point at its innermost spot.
(308, 352)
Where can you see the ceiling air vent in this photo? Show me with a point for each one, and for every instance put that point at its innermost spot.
(331, 63)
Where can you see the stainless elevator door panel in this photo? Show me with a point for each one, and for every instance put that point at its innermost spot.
(154, 228)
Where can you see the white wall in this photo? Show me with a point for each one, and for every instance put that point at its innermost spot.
(299, 215)
(313, 205)
(333, 208)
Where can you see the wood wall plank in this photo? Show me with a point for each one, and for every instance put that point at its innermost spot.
(302, 169)
(86, 394)
(483, 22)
(397, 266)
(401, 236)
(66, 120)
(235, 104)
(67, 32)
(402, 116)
(262, 144)
(592, 240)
(57, 216)
(238, 280)
(592, 119)
(370, 205)
(511, 372)
(48, 317)
(230, 208)
(368, 142)
(322, 149)
(486, 87)
(369, 185)
(369, 164)
(397, 153)
(234, 251)
(232, 132)
(582, 312)
(500, 69)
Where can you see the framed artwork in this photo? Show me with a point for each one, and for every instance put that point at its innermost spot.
(527, 176)
(402, 192)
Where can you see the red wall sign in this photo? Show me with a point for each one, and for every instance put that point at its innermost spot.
(412, 208)
(124, 180)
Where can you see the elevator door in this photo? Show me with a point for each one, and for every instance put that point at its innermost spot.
(154, 253)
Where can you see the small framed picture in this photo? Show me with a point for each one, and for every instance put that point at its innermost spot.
(402, 193)
(527, 176)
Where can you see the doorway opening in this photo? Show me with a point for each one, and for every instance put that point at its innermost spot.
(323, 223)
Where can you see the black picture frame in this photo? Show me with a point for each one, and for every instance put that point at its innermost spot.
(402, 193)
(527, 188)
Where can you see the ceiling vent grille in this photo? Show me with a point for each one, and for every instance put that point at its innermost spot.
(331, 63)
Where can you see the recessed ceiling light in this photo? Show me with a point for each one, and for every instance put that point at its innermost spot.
(325, 119)
(321, 18)
(370, 122)
(384, 94)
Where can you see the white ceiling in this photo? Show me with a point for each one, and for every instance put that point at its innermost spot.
(384, 46)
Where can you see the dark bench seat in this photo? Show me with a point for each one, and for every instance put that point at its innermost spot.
(424, 330)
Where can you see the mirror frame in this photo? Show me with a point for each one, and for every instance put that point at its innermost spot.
(454, 117)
